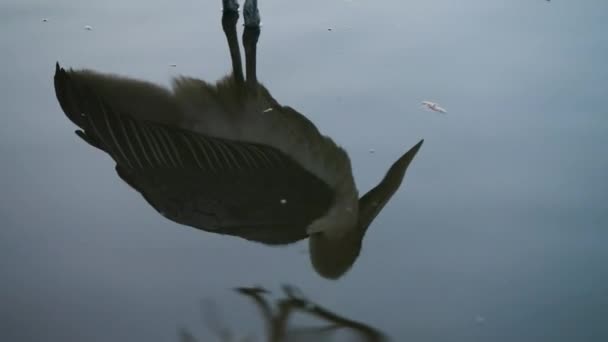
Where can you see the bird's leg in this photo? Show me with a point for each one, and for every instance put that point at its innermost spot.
(251, 13)
(250, 40)
(230, 5)
(229, 19)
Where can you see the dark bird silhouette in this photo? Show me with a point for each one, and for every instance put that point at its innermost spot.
(228, 158)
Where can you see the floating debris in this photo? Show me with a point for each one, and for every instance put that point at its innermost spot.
(173, 65)
(88, 27)
(44, 20)
(371, 150)
(329, 29)
(479, 319)
(283, 201)
(433, 106)
(267, 110)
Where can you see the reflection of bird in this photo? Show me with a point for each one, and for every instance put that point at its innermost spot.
(433, 106)
(214, 157)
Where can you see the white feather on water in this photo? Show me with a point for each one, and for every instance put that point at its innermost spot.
(433, 106)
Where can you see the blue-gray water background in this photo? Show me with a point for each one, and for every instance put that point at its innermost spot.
(503, 216)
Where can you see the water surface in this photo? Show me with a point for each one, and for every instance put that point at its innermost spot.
(498, 233)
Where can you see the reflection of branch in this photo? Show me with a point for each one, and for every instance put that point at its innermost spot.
(299, 302)
(277, 319)
(274, 324)
(256, 293)
(277, 324)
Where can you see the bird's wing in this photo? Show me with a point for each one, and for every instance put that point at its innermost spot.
(229, 187)
(141, 100)
(235, 188)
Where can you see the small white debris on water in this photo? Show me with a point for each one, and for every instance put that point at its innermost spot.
(479, 319)
(267, 110)
(283, 201)
(88, 27)
(433, 106)
(371, 150)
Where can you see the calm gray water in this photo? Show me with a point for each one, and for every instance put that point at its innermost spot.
(499, 232)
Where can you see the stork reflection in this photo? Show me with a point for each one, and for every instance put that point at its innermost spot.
(228, 158)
